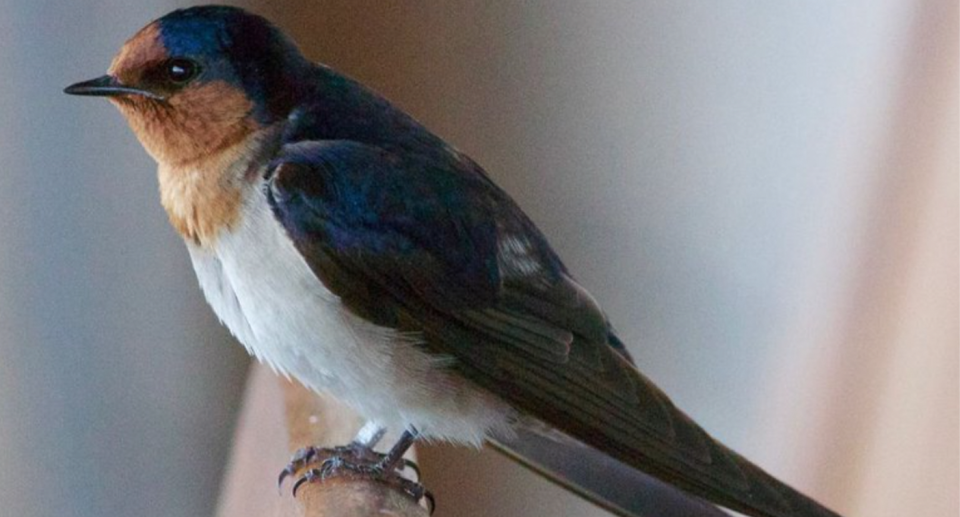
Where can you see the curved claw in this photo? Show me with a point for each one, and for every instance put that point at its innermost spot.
(431, 501)
(300, 458)
(311, 475)
(409, 464)
(284, 474)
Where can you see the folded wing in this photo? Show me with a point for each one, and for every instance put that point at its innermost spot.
(425, 242)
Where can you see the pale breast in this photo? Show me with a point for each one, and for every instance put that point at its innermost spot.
(265, 292)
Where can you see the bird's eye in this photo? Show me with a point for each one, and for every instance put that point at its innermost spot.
(181, 71)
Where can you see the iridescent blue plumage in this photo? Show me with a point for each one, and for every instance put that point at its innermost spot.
(439, 229)
(246, 52)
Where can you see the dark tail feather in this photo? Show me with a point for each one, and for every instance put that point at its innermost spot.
(600, 478)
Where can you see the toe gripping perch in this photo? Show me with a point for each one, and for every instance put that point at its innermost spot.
(358, 460)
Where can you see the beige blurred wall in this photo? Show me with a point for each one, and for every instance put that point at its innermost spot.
(899, 362)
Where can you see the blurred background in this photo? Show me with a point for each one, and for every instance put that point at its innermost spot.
(763, 196)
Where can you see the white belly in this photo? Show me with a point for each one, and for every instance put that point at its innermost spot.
(262, 289)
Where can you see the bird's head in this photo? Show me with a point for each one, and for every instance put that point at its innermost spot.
(201, 79)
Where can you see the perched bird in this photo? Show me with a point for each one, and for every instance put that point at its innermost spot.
(349, 247)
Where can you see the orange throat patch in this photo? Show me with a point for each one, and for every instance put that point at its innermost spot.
(203, 135)
(191, 125)
(206, 143)
(204, 198)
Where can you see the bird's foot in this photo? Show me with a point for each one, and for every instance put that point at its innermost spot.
(356, 461)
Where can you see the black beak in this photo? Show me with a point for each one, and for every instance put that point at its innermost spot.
(106, 86)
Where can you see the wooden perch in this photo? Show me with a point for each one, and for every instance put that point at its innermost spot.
(278, 418)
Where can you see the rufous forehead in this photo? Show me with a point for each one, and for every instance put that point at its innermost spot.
(143, 48)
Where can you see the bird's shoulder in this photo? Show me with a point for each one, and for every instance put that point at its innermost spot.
(401, 211)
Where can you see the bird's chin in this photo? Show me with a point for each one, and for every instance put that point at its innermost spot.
(146, 133)
(133, 101)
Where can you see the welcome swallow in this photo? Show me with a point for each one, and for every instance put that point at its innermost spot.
(346, 245)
